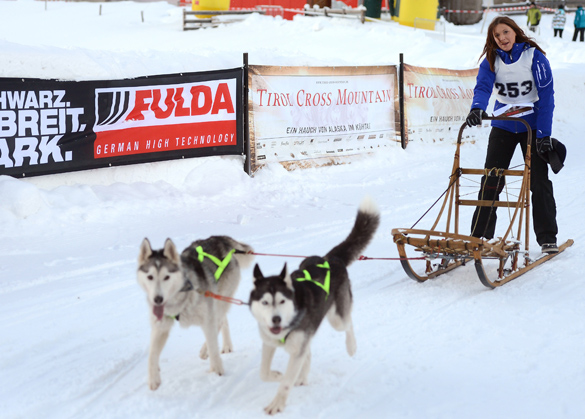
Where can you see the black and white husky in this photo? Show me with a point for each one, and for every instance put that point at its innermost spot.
(290, 308)
(175, 285)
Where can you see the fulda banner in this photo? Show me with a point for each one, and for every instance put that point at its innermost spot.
(53, 126)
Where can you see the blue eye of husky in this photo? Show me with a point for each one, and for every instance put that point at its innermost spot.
(264, 303)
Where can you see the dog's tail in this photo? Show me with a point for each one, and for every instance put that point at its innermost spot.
(243, 253)
(366, 224)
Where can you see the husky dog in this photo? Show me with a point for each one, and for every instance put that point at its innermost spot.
(290, 308)
(175, 287)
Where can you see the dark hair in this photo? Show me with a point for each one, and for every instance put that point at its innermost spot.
(489, 50)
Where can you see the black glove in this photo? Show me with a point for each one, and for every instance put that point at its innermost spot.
(475, 117)
(544, 145)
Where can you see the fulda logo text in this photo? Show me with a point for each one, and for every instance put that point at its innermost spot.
(203, 101)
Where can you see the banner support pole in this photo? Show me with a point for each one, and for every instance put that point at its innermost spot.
(403, 139)
(248, 161)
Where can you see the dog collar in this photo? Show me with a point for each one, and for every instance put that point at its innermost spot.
(293, 325)
(283, 339)
(326, 285)
(221, 264)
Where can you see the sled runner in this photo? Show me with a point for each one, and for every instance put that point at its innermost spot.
(506, 258)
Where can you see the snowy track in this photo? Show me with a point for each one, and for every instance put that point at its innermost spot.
(74, 336)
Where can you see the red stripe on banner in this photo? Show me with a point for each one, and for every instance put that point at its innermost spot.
(156, 139)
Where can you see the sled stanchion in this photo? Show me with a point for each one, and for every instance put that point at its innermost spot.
(450, 249)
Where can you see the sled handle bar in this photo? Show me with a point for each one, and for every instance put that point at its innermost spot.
(501, 118)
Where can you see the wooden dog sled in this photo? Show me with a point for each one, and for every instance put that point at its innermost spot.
(438, 252)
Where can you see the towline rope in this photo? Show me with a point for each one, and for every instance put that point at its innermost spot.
(361, 257)
(235, 301)
(231, 300)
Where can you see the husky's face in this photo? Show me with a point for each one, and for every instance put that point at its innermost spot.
(272, 302)
(159, 275)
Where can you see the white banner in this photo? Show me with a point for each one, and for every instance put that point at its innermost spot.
(319, 114)
(436, 102)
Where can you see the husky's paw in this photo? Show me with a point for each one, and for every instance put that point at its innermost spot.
(203, 352)
(272, 376)
(302, 381)
(351, 344)
(227, 349)
(218, 369)
(154, 377)
(277, 405)
(154, 382)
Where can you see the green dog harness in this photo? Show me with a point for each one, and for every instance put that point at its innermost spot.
(221, 264)
(326, 284)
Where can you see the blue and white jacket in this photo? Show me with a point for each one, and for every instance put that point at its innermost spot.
(559, 19)
(541, 119)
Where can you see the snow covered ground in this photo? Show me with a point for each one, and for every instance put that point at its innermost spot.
(74, 331)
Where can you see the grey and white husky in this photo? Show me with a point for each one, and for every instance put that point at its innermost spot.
(175, 287)
(290, 308)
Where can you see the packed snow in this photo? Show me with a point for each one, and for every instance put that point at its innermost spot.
(75, 331)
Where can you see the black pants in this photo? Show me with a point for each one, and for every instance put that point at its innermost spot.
(500, 150)
(579, 31)
(559, 31)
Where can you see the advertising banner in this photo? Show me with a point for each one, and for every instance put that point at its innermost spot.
(436, 102)
(305, 116)
(52, 126)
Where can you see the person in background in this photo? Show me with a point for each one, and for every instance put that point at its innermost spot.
(534, 16)
(579, 23)
(517, 67)
(559, 20)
